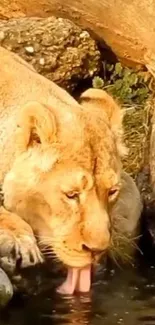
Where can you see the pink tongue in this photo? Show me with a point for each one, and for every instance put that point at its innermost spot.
(77, 280)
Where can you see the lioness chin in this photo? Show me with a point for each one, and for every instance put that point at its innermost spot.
(61, 170)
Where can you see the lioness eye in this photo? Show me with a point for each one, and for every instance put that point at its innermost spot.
(112, 193)
(72, 196)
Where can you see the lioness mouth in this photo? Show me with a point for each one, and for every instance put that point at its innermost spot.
(78, 279)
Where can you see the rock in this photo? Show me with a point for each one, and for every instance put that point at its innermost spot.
(6, 289)
(56, 48)
(127, 27)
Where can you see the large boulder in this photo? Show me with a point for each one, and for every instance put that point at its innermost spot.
(56, 47)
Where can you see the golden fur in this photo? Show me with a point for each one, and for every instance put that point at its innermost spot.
(113, 115)
(60, 166)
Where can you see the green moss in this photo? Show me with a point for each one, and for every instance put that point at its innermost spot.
(126, 84)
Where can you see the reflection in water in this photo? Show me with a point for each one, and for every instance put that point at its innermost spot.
(117, 297)
(78, 310)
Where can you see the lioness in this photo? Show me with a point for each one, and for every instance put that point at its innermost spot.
(61, 171)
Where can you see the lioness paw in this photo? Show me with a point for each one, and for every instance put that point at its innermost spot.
(18, 246)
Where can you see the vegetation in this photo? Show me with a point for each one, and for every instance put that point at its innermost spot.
(124, 83)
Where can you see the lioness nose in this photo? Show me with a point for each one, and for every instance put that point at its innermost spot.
(95, 239)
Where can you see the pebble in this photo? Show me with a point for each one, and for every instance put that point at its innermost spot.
(29, 49)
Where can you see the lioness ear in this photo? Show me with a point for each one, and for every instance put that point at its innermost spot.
(36, 124)
(97, 98)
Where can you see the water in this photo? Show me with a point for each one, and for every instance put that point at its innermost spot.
(118, 296)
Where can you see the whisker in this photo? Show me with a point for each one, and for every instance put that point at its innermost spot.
(115, 259)
(121, 245)
(54, 258)
(47, 249)
(48, 252)
(50, 241)
(41, 237)
(120, 251)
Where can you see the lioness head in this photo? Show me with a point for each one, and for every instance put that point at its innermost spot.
(54, 186)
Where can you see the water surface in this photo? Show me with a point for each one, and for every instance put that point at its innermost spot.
(118, 296)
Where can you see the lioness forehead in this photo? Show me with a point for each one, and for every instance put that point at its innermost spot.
(75, 177)
(72, 175)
